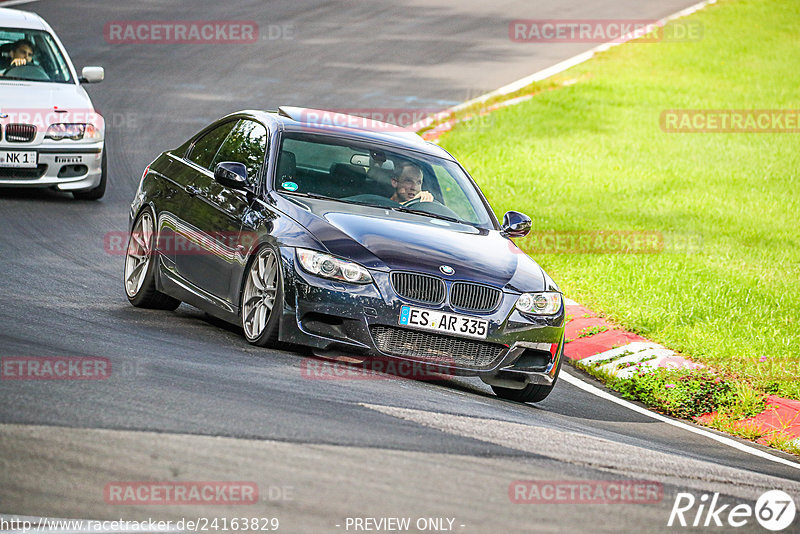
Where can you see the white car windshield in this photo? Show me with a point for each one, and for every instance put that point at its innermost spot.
(31, 55)
(372, 175)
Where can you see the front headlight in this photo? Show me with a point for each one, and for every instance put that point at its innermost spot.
(545, 303)
(73, 131)
(328, 266)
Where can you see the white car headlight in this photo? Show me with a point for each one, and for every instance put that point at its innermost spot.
(328, 266)
(545, 303)
(73, 131)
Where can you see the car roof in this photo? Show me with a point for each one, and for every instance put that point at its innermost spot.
(325, 122)
(15, 18)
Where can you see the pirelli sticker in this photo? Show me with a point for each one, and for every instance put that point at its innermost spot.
(69, 159)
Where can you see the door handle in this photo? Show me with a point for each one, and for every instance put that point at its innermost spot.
(192, 190)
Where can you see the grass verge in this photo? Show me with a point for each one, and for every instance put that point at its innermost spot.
(590, 156)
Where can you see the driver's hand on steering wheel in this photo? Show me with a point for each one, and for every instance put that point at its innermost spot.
(422, 196)
(18, 62)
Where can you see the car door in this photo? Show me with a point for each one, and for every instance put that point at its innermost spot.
(190, 178)
(215, 213)
(180, 190)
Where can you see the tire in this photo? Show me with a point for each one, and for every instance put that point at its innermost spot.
(262, 298)
(531, 392)
(97, 192)
(140, 266)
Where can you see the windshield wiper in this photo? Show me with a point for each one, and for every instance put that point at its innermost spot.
(323, 197)
(429, 214)
(304, 194)
(393, 208)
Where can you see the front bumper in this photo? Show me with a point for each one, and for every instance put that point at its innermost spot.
(64, 167)
(363, 319)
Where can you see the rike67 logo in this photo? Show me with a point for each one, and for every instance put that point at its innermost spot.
(774, 510)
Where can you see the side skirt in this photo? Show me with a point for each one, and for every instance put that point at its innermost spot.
(175, 286)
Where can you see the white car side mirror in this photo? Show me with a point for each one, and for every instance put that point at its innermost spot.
(92, 75)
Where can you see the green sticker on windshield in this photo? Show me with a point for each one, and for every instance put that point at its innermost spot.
(289, 186)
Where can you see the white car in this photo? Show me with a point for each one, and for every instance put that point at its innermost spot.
(50, 133)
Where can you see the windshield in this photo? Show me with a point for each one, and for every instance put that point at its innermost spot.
(372, 175)
(31, 55)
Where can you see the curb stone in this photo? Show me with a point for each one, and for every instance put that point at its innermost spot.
(624, 350)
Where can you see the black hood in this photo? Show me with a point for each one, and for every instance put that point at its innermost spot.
(387, 240)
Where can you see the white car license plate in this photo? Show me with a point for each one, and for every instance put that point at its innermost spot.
(18, 159)
(443, 322)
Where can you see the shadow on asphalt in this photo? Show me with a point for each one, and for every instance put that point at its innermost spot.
(36, 195)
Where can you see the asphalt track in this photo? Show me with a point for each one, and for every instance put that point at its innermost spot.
(189, 399)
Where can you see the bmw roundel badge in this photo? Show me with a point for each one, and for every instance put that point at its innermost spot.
(446, 269)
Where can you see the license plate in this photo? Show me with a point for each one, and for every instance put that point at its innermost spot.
(18, 159)
(443, 322)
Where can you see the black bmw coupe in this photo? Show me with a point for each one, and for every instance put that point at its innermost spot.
(370, 242)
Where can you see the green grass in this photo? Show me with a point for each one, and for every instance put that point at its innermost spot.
(684, 393)
(591, 156)
(591, 330)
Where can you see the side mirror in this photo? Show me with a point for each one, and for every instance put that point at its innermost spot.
(92, 75)
(515, 224)
(231, 174)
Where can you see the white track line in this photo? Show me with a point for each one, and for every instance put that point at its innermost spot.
(10, 3)
(580, 384)
(555, 69)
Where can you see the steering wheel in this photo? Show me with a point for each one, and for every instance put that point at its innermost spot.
(29, 72)
(412, 202)
(432, 208)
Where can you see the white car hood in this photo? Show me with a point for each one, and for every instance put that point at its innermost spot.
(44, 103)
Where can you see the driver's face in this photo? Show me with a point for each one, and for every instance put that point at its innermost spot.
(408, 184)
(22, 52)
